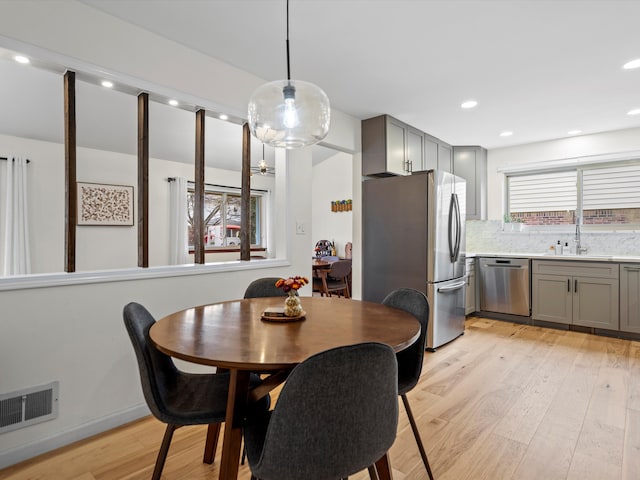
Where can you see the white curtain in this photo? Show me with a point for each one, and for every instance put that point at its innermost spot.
(178, 248)
(16, 256)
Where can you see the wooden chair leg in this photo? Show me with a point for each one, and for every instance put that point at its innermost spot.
(164, 449)
(213, 432)
(383, 468)
(373, 473)
(416, 434)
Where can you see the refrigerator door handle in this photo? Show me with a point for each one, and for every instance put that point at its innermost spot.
(454, 216)
(451, 288)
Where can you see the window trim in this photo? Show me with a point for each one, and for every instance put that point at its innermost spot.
(225, 189)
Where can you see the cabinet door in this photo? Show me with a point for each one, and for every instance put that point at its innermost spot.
(431, 153)
(470, 163)
(396, 147)
(595, 302)
(630, 298)
(445, 157)
(551, 298)
(415, 149)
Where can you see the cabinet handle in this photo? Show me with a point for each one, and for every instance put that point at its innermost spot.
(569, 285)
(575, 286)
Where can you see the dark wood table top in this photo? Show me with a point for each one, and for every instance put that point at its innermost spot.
(232, 335)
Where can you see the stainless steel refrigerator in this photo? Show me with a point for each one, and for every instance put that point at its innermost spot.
(413, 235)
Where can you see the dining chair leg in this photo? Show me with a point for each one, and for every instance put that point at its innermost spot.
(373, 473)
(164, 449)
(416, 434)
(383, 468)
(213, 433)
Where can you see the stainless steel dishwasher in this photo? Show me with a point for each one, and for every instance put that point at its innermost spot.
(505, 285)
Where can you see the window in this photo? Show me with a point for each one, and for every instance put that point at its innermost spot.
(222, 209)
(601, 194)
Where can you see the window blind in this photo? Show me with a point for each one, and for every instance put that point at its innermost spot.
(611, 187)
(543, 192)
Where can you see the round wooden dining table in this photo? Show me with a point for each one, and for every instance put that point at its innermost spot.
(233, 336)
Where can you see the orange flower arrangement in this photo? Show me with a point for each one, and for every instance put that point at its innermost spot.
(291, 283)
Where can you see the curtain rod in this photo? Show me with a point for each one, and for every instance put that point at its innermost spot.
(5, 158)
(173, 179)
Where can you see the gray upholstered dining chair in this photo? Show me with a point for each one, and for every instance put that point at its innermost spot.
(174, 397)
(410, 359)
(336, 415)
(335, 279)
(264, 287)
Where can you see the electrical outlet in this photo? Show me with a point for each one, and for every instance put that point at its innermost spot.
(300, 230)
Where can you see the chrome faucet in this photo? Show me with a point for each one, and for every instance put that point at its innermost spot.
(578, 240)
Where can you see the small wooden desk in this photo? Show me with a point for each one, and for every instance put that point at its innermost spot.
(231, 335)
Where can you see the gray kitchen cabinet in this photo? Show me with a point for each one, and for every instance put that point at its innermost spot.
(415, 149)
(470, 163)
(470, 300)
(575, 293)
(391, 147)
(384, 146)
(445, 157)
(630, 297)
(438, 154)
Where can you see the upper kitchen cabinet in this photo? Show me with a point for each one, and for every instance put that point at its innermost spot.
(415, 149)
(385, 147)
(470, 163)
(438, 154)
(391, 147)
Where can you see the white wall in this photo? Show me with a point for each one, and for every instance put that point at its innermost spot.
(332, 180)
(62, 329)
(571, 147)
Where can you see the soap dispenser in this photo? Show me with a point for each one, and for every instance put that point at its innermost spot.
(559, 248)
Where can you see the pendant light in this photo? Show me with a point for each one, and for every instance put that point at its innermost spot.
(289, 113)
(263, 168)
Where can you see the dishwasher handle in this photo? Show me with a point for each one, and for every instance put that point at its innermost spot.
(505, 265)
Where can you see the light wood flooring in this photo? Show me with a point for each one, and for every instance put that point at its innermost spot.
(504, 401)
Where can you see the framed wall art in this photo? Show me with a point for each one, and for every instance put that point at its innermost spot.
(100, 204)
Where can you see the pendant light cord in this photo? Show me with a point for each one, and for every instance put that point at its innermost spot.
(288, 64)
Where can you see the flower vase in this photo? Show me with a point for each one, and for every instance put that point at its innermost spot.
(292, 305)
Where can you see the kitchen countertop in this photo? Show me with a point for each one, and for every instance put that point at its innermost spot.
(544, 256)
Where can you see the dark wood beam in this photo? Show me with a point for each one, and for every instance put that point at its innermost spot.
(143, 180)
(70, 187)
(245, 196)
(198, 201)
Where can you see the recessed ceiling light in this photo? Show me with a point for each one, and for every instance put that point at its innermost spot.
(223, 117)
(632, 64)
(21, 59)
(107, 84)
(635, 111)
(506, 134)
(173, 103)
(469, 104)
(574, 132)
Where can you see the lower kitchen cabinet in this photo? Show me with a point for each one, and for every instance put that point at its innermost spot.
(470, 300)
(576, 293)
(630, 298)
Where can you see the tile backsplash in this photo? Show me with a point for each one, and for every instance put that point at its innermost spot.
(489, 237)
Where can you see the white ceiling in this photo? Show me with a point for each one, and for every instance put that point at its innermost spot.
(538, 68)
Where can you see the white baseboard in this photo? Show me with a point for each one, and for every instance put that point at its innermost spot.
(24, 452)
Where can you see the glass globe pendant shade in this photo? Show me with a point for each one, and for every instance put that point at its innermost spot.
(289, 114)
